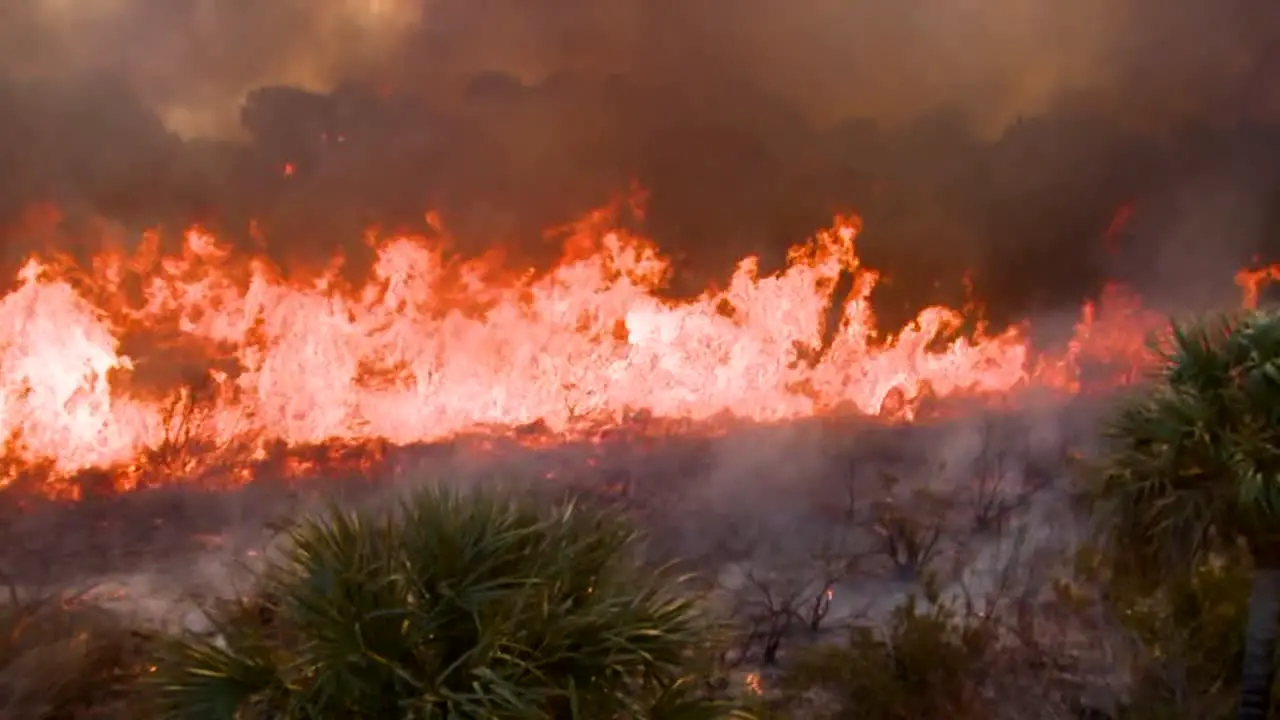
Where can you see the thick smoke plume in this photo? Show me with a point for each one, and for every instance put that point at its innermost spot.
(831, 59)
(1001, 137)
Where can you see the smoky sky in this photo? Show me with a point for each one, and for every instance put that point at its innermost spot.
(997, 59)
(993, 137)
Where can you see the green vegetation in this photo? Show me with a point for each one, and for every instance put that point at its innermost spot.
(1193, 642)
(1195, 480)
(452, 607)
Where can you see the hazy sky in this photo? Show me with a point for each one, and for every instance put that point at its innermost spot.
(194, 59)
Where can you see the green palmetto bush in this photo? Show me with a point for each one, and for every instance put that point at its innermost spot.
(452, 606)
(1195, 475)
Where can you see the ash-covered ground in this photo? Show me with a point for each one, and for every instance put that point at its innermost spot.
(844, 516)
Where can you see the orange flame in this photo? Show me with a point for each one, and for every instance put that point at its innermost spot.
(430, 346)
(1250, 283)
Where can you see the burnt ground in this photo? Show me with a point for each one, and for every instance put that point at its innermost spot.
(801, 497)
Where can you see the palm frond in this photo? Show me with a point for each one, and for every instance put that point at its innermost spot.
(461, 606)
(1195, 460)
(203, 680)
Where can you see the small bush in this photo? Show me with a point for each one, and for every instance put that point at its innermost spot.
(452, 607)
(926, 663)
(1190, 649)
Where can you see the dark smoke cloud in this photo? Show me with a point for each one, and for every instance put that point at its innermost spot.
(995, 59)
(1000, 136)
(193, 60)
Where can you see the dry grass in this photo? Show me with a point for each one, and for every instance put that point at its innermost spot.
(63, 658)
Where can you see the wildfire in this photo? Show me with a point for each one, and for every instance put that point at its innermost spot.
(1250, 282)
(129, 360)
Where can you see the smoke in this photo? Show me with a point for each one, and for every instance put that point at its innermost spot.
(194, 60)
(831, 59)
(983, 136)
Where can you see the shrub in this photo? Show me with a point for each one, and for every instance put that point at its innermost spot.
(1190, 476)
(926, 663)
(1190, 650)
(452, 606)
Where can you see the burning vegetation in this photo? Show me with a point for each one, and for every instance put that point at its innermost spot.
(193, 366)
